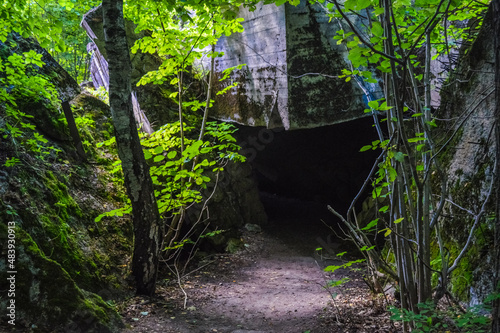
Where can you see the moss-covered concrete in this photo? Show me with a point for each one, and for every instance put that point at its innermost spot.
(65, 261)
(468, 160)
(47, 298)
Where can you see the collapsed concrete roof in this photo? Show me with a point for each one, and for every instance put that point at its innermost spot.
(291, 78)
(291, 75)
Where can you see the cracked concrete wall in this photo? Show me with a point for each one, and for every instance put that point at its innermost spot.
(261, 98)
(285, 48)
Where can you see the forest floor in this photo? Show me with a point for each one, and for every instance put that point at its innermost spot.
(277, 284)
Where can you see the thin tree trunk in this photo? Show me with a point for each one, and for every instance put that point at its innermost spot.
(425, 288)
(496, 281)
(209, 94)
(73, 130)
(146, 219)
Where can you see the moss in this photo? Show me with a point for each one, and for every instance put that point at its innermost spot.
(62, 246)
(234, 245)
(464, 276)
(50, 299)
(54, 206)
(61, 199)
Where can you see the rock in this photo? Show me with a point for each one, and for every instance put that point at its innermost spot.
(45, 114)
(65, 262)
(253, 227)
(235, 203)
(234, 245)
(48, 298)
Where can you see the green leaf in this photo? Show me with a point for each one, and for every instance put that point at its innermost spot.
(385, 107)
(376, 192)
(365, 148)
(431, 123)
(377, 29)
(373, 104)
(384, 209)
(336, 283)
(352, 43)
(158, 150)
(172, 154)
(399, 156)
(416, 139)
(159, 158)
(362, 4)
(372, 224)
(399, 220)
(388, 232)
(332, 268)
(350, 5)
(392, 173)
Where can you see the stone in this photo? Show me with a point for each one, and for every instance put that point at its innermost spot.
(253, 227)
(234, 245)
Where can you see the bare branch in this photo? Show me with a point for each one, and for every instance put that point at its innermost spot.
(361, 39)
(477, 219)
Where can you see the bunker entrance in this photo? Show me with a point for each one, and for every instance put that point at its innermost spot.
(300, 172)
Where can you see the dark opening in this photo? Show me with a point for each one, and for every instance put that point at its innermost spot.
(300, 172)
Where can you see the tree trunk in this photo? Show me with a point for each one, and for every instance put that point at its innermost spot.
(73, 130)
(146, 219)
(496, 281)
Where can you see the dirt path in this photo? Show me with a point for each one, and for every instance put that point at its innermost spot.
(275, 285)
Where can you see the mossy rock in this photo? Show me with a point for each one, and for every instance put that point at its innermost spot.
(234, 245)
(48, 299)
(57, 208)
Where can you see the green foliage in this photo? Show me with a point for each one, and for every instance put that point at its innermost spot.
(56, 26)
(397, 40)
(337, 283)
(69, 45)
(185, 160)
(333, 268)
(100, 93)
(180, 179)
(52, 23)
(19, 80)
(431, 319)
(410, 21)
(180, 33)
